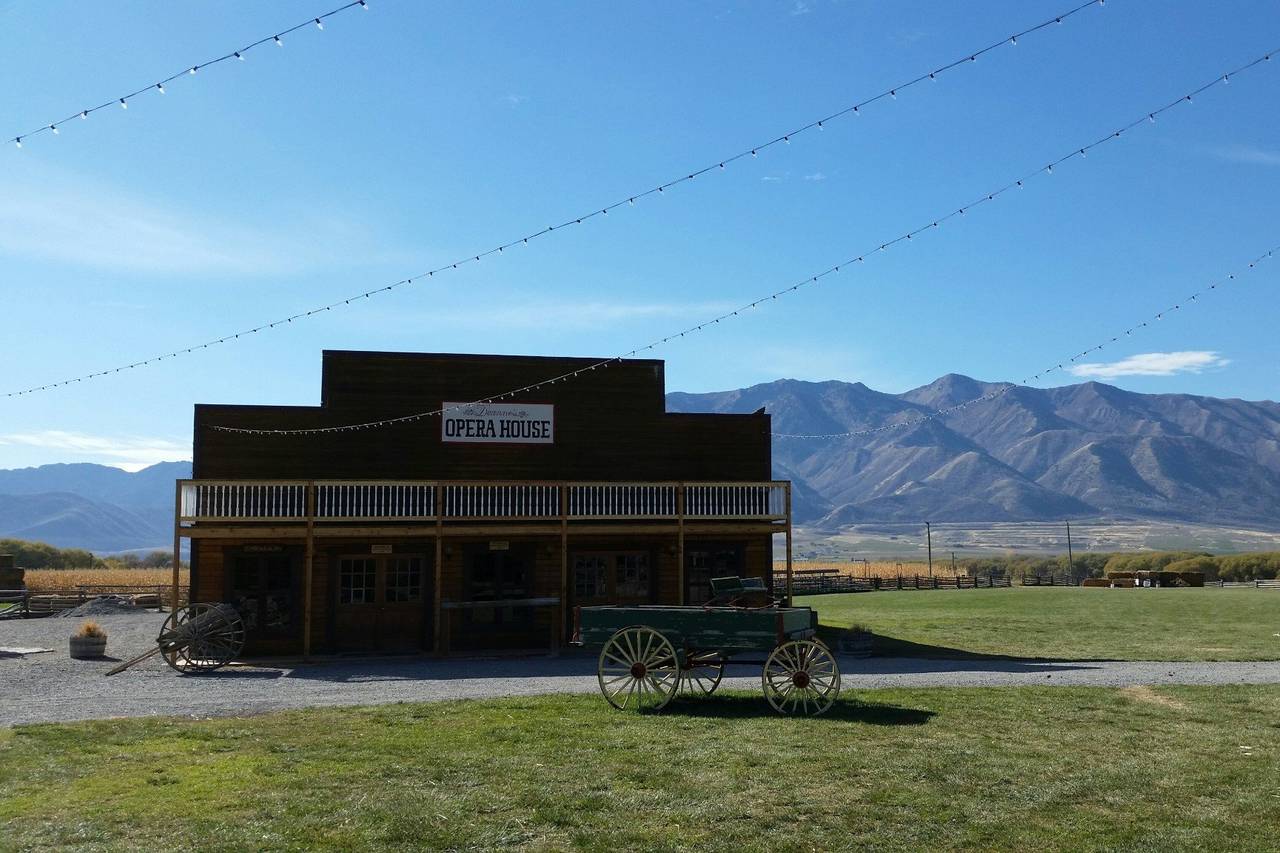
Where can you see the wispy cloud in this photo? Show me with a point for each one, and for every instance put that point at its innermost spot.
(515, 100)
(1153, 364)
(1252, 154)
(87, 223)
(128, 452)
(800, 7)
(816, 176)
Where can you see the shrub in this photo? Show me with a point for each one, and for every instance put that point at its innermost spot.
(91, 629)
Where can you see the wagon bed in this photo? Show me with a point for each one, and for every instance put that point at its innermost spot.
(652, 653)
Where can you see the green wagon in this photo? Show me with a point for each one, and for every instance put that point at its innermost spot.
(652, 653)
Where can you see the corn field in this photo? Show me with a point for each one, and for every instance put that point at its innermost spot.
(871, 569)
(53, 580)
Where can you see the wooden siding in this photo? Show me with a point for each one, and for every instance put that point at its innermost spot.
(611, 424)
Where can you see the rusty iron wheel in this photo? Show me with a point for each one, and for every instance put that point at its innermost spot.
(638, 669)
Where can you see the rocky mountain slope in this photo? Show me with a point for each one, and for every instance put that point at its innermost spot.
(1026, 455)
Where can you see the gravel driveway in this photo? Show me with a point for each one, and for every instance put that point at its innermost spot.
(51, 687)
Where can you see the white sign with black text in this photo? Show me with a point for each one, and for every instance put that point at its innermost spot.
(498, 423)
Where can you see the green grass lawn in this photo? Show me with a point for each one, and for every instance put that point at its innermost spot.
(1065, 622)
(1017, 768)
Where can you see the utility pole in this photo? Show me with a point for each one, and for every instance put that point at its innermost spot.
(928, 532)
(1071, 563)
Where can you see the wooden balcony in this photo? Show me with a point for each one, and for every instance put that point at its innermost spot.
(331, 502)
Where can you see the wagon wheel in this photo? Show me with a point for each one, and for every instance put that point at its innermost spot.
(801, 677)
(701, 674)
(201, 637)
(638, 668)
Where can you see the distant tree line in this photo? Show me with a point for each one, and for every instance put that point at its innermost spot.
(1227, 567)
(38, 555)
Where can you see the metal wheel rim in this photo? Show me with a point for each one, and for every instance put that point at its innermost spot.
(655, 686)
(805, 661)
(219, 641)
(701, 674)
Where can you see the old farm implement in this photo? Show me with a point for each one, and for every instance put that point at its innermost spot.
(651, 653)
(196, 638)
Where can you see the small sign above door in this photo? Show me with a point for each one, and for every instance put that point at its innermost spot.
(380, 549)
(498, 423)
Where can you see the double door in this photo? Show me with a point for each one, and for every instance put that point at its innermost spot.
(382, 602)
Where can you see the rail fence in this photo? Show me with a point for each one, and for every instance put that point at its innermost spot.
(825, 581)
(25, 602)
(1255, 584)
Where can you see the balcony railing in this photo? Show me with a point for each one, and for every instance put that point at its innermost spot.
(333, 501)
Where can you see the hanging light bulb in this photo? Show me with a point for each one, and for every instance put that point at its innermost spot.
(18, 142)
(55, 130)
(193, 69)
(364, 5)
(893, 93)
(279, 42)
(160, 88)
(238, 55)
(1013, 40)
(84, 114)
(124, 105)
(319, 24)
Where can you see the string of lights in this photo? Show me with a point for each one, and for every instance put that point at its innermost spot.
(158, 87)
(940, 413)
(629, 201)
(907, 237)
(1063, 365)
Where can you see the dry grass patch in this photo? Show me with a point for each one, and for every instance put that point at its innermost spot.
(1144, 694)
(873, 569)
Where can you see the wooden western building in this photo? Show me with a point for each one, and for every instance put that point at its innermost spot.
(475, 529)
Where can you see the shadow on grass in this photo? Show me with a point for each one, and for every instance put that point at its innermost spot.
(741, 707)
(894, 647)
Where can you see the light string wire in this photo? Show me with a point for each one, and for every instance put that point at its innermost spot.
(191, 70)
(1047, 169)
(1007, 387)
(577, 220)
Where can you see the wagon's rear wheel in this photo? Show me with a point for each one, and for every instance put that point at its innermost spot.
(201, 637)
(801, 677)
(638, 669)
(701, 674)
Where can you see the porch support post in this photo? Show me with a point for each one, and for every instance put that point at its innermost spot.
(788, 544)
(558, 629)
(177, 543)
(437, 628)
(680, 543)
(309, 565)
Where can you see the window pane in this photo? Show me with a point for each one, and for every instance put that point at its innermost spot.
(404, 579)
(632, 578)
(590, 578)
(357, 579)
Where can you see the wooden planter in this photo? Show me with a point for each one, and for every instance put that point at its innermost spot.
(856, 644)
(88, 648)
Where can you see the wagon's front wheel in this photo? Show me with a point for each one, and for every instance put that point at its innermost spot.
(638, 669)
(801, 677)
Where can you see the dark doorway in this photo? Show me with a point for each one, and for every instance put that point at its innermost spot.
(502, 577)
(264, 583)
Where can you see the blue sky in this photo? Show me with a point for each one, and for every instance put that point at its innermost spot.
(412, 134)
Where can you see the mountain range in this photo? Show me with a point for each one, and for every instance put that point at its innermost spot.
(97, 507)
(1022, 454)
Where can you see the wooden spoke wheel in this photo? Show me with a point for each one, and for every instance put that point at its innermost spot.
(201, 637)
(801, 677)
(638, 669)
(701, 674)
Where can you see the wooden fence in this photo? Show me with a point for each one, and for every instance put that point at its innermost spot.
(825, 581)
(1255, 584)
(24, 602)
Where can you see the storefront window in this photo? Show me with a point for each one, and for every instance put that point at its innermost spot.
(357, 580)
(404, 579)
(590, 576)
(632, 575)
